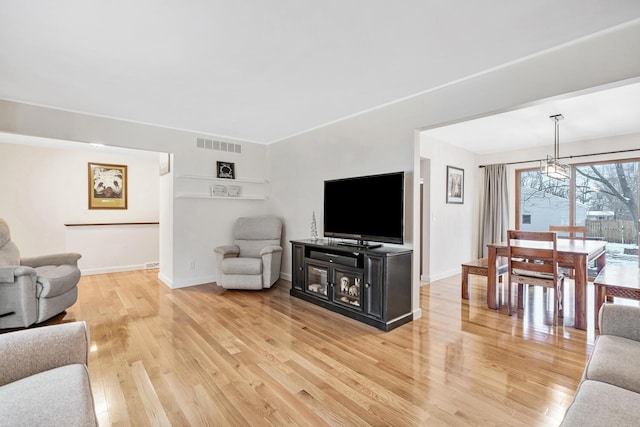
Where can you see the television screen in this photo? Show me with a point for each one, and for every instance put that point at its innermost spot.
(365, 208)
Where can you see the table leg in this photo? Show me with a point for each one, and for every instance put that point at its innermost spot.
(492, 278)
(465, 282)
(600, 295)
(601, 262)
(580, 267)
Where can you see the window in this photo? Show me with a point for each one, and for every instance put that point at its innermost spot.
(543, 201)
(601, 196)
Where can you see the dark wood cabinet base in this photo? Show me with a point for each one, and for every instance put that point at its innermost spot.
(371, 285)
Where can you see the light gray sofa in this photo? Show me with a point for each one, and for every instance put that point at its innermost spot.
(34, 289)
(253, 261)
(44, 379)
(609, 394)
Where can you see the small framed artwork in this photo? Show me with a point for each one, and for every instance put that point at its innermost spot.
(107, 186)
(226, 170)
(455, 185)
(164, 163)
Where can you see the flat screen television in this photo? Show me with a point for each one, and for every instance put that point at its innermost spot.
(365, 208)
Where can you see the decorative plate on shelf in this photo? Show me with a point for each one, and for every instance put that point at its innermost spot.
(218, 190)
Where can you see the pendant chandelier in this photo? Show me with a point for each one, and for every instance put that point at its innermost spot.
(552, 167)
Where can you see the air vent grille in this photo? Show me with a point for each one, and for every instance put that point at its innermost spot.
(210, 144)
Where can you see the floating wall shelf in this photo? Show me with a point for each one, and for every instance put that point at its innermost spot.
(229, 181)
(207, 196)
(193, 187)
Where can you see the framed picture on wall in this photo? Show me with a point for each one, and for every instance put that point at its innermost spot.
(107, 186)
(455, 185)
(226, 170)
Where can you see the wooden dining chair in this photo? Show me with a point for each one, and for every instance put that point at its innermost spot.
(533, 260)
(572, 231)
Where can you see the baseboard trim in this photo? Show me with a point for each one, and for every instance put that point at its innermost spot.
(443, 275)
(285, 276)
(192, 281)
(105, 270)
(165, 280)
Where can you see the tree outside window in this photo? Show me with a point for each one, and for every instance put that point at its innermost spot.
(605, 200)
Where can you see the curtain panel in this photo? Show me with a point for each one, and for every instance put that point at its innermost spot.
(494, 214)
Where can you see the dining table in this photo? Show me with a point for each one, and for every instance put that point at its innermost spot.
(575, 254)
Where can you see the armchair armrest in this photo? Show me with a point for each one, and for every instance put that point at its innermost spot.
(620, 320)
(270, 249)
(25, 353)
(54, 259)
(8, 274)
(227, 250)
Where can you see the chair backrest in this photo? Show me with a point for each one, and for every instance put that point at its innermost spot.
(534, 254)
(251, 234)
(572, 230)
(9, 253)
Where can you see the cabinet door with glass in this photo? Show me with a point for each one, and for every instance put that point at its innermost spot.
(316, 281)
(347, 287)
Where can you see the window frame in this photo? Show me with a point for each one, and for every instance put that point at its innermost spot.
(572, 186)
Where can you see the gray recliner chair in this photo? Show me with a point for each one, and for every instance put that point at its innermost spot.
(35, 289)
(44, 378)
(253, 261)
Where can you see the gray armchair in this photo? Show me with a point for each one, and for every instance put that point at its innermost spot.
(33, 290)
(253, 261)
(44, 379)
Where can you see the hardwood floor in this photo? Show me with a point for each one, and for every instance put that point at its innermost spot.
(206, 356)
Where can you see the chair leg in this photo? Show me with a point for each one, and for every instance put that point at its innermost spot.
(509, 297)
(560, 293)
(558, 302)
(520, 296)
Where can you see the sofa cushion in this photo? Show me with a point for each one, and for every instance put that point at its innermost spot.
(601, 404)
(615, 361)
(58, 397)
(54, 280)
(242, 266)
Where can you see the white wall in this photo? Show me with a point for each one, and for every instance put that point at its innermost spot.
(453, 229)
(384, 139)
(455, 240)
(197, 225)
(300, 166)
(377, 141)
(46, 186)
(165, 229)
(579, 148)
(113, 248)
(425, 220)
(202, 224)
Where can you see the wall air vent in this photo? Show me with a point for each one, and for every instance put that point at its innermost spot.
(209, 144)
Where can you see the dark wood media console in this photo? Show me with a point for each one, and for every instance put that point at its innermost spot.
(372, 286)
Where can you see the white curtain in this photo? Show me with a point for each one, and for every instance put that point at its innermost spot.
(494, 214)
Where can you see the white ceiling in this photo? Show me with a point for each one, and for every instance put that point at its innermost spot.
(264, 70)
(595, 115)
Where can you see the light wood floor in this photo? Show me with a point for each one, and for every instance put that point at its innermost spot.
(206, 356)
